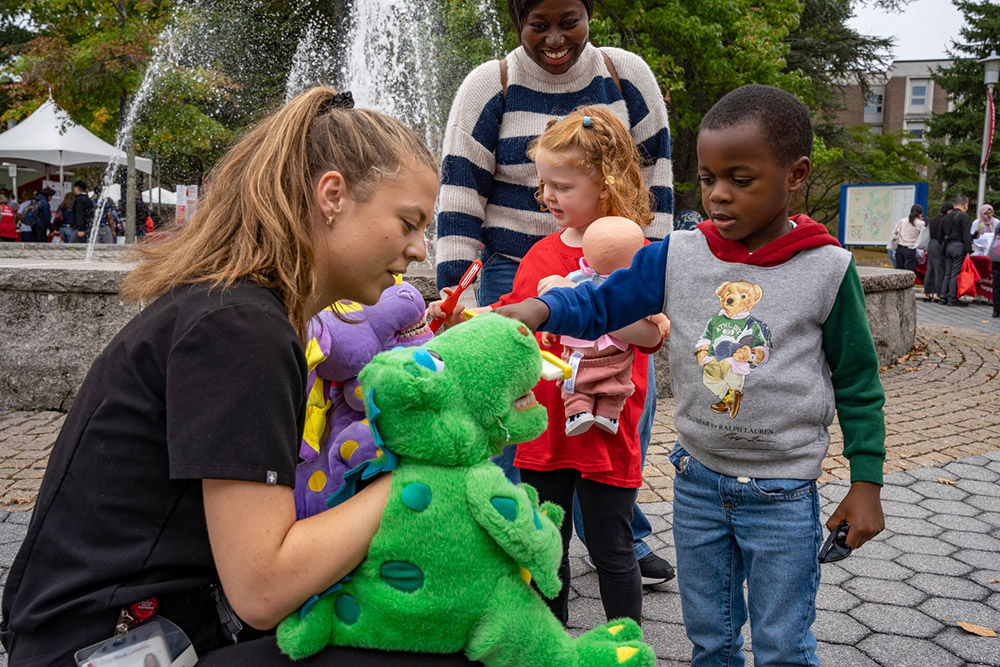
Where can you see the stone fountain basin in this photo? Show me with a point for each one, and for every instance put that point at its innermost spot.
(57, 312)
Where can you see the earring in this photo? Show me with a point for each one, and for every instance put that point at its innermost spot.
(329, 220)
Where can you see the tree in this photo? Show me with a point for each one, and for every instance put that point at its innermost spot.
(699, 51)
(854, 155)
(824, 48)
(956, 136)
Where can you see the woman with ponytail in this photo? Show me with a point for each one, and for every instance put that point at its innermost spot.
(171, 479)
(905, 234)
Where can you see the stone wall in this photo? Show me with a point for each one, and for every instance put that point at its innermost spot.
(55, 318)
(57, 315)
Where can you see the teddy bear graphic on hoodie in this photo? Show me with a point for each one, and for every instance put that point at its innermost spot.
(733, 344)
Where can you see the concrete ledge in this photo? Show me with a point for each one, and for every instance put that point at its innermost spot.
(55, 318)
(57, 314)
(891, 309)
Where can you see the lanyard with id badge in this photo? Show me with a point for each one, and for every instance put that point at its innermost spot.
(142, 639)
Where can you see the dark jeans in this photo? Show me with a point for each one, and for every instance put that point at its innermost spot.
(607, 516)
(906, 258)
(935, 268)
(954, 255)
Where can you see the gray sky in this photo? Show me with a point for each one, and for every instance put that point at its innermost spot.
(922, 30)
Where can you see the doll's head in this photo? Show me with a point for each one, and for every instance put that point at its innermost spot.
(610, 243)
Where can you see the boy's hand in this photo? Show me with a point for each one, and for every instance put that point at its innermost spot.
(549, 282)
(861, 508)
(548, 339)
(530, 311)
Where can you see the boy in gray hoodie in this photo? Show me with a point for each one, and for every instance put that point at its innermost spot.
(768, 339)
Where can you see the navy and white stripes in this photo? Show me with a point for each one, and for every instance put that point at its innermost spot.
(488, 183)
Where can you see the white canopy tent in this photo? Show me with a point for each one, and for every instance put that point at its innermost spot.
(49, 137)
(153, 196)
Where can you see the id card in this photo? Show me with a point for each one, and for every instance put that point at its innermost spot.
(569, 384)
(157, 643)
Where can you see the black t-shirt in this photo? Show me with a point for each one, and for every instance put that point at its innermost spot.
(201, 384)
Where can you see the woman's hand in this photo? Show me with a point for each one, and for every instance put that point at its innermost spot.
(550, 282)
(269, 563)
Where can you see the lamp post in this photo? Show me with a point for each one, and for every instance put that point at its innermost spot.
(991, 64)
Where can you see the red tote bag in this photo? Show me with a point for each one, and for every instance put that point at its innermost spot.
(967, 278)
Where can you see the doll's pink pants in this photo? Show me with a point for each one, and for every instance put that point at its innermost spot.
(603, 384)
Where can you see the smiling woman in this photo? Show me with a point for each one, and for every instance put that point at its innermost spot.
(487, 208)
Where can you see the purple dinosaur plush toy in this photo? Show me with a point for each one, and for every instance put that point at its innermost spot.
(336, 437)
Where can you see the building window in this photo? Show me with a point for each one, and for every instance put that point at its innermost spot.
(916, 129)
(919, 97)
(873, 105)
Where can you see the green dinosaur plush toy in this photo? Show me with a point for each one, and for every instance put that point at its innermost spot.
(447, 570)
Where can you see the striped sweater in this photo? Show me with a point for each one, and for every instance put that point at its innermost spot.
(488, 183)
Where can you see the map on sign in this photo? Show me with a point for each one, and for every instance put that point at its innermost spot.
(868, 212)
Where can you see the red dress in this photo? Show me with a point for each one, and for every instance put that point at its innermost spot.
(598, 455)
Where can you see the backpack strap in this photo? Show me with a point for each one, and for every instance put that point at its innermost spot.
(611, 70)
(503, 76)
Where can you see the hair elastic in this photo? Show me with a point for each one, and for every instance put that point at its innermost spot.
(587, 122)
(342, 100)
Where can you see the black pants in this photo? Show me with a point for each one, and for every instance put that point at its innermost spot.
(954, 255)
(607, 522)
(264, 653)
(935, 268)
(996, 288)
(906, 258)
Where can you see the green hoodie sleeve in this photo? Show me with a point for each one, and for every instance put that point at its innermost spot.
(857, 389)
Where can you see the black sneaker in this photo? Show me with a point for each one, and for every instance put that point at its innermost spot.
(655, 570)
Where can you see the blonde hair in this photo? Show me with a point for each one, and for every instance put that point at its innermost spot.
(255, 220)
(609, 156)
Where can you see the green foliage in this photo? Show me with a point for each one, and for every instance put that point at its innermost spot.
(824, 48)
(855, 155)
(698, 52)
(956, 136)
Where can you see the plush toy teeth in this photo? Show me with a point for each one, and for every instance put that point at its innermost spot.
(418, 329)
(525, 401)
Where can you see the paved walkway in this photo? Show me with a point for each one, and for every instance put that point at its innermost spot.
(894, 603)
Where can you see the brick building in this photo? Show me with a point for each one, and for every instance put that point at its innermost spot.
(904, 98)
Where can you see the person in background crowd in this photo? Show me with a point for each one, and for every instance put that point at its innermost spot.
(66, 231)
(23, 211)
(8, 221)
(983, 229)
(957, 242)
(108, 218)
(935, 256)
(41, 223)
(11, 199)
(83, 213)
(905, 234)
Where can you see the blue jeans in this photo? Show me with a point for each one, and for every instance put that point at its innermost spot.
(497, 279)
(766, 532)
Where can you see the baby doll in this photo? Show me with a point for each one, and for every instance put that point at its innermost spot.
(602, 369)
